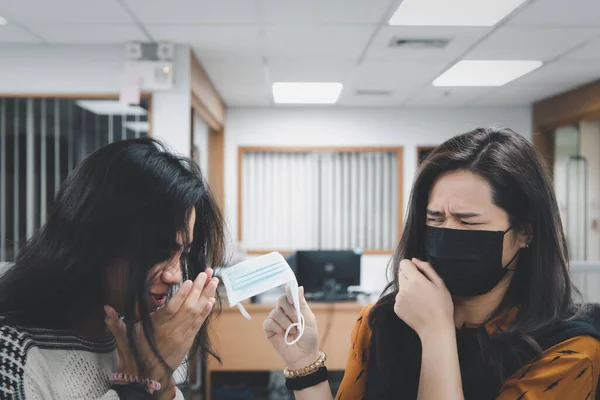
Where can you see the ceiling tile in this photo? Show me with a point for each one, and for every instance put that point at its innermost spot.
(94, 34)
(194, 11)
(213, 42)
(461, 39)
(393, 98)
(350, 98)
(248, 96)
(331, 42)
(310, 70)
(31, 12)
(590, 51)
(12, 33)
(324, 11)
(575, 13)
(518, 43)
(564, 72)
(240, 83)
(401, 75)
(432, 96)
(235, 73)
(517, 94)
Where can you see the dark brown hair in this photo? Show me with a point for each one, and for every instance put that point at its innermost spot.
(128, 200)
(541, 285)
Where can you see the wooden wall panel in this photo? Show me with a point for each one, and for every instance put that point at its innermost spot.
(216, 165)
(582, 103)
(206, 100)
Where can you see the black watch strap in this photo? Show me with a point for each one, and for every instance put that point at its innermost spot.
(303, 382)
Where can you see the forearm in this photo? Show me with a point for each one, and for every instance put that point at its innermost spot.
(321, 391)
(440, 377)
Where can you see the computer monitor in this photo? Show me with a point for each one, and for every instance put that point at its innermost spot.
(327, 271)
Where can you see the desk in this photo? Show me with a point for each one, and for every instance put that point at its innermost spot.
(242, 346)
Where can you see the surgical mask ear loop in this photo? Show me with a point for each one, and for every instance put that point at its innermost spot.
(300, 325)
(294, 292)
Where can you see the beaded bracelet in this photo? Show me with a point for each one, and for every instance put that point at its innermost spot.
(120, 377)
(309, 369)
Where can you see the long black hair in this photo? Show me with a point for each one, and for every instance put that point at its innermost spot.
(541, 286)
(126, 201)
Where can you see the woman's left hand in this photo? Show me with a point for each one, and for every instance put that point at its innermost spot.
(423, 301)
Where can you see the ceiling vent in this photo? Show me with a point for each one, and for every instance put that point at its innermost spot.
(367, 92)
(403, 43)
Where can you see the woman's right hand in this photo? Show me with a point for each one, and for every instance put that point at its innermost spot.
(306, 350)
(175, 328)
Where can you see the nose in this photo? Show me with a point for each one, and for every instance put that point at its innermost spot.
(172, 275)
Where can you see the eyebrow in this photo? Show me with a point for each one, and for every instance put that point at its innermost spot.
(464, 215)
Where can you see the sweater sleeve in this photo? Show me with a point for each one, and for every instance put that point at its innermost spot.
(36, 390)
(568, 370)
(45, 366)
(355, 376)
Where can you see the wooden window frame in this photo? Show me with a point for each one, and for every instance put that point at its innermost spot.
(303, 149)
(421, 149)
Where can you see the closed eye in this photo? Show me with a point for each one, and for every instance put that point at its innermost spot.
(469, 223)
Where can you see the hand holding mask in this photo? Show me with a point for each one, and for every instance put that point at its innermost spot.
(256, 276)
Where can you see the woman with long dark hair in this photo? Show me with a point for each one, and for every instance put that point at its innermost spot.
(113, 292)
(480, 304)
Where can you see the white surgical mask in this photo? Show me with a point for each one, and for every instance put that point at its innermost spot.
(252, 277)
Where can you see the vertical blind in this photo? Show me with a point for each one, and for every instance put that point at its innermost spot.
(319, 200)
(41, 141)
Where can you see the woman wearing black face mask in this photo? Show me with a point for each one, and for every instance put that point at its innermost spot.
(481, 306)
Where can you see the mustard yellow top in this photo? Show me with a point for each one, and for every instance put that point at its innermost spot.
(568, 370)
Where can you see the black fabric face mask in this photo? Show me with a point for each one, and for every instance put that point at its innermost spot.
(469, 261)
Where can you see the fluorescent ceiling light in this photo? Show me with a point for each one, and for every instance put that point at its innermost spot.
(485, 72)
(453, 13)
(306, 92)
(2, 20)
(110, 107)
(137, 126)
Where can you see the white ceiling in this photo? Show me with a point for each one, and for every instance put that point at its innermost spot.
(245, 45)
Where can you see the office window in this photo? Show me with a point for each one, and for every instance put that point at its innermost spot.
(41, 141)
(292, 199)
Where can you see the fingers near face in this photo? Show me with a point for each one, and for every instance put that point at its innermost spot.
(174, 304)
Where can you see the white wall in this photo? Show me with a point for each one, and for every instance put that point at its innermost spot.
(61, 69)
(171, 110)
(355, 127)
(97, 69)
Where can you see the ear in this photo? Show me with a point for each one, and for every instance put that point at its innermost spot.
(524, 236)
